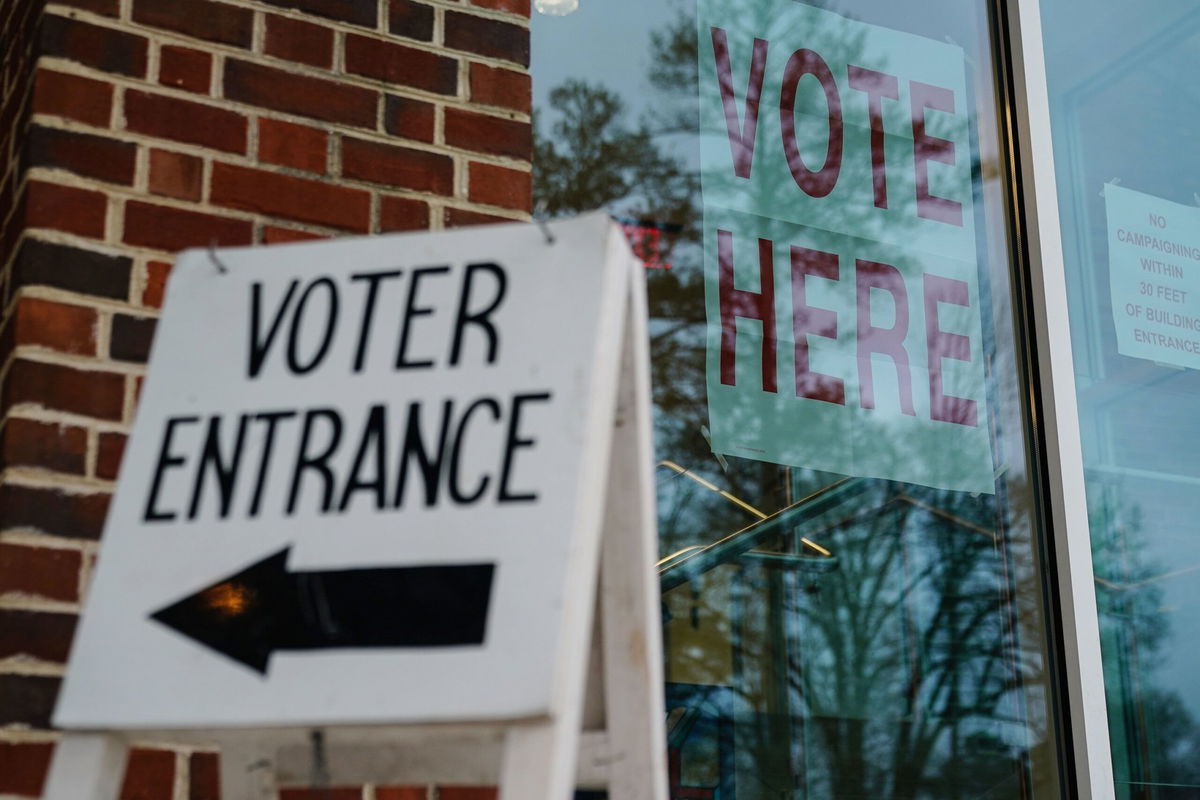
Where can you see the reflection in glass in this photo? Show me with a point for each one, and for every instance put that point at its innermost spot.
(828, 636)
(1124, 113)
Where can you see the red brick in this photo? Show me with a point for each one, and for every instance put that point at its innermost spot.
(185, 121)
(59, 326)
(80, 99)
(185, 68)
(23, 767)
(27, 700)
(81, 153)
(358, 12)
(90, 393)
(410, 19)
(44, 445)
(400, 793)
(397, 64)
(291, 198)
(70, 515)
(35, 634)
(494, 86)
(157, 273)
(75, 269)
(110, 451)
(47, 572)
(201, 19)
(397, 166)
(403, 214)
(487, 134)
(487, 37)
(461, 218)
(467, 793)
(172, 229)
(131, 338)
(299, 41)
(175, 175)
(512, 6)
(149, 775)
(65, 208)
(408, 118)
(292, 145)
(500, 186)
(273, 234)
(105, 49)
(268, 87)
(204, 777)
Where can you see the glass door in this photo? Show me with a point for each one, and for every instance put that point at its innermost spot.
(1124, 108)
(854, 587)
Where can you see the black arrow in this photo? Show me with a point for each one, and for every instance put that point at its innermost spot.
(265, 608)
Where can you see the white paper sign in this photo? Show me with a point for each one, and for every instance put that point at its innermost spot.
(1154, 276)
(840, 256)
(329, 437)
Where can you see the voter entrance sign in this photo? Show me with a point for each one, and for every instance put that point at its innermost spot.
(841, 275)
(366, 486)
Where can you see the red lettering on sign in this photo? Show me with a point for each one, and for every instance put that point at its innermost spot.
(741, 135)
(886, 341)
(809, 320)
(928, 148)
(645, 239)
(736, 303)
(877, 85)
(940, 344)
(815, 183)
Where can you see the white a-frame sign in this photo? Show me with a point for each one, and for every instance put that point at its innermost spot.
(361, 521)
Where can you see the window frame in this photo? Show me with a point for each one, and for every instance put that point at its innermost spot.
(1089, 770)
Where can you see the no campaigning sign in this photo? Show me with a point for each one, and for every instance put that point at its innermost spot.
(357, 483)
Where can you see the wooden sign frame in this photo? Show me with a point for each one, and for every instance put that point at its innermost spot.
(607, 728)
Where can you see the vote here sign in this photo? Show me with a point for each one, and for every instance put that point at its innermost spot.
(841, 275)
(355, 484)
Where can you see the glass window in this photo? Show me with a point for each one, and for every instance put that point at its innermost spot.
(1125, 110)
(854, 599)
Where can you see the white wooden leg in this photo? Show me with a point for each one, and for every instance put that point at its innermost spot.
(86, 766)
(630, 598)
(536, 765)
(247, 773)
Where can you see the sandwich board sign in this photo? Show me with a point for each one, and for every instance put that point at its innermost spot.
(364, 496)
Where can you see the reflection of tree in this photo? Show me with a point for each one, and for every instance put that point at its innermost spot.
(1178, 739)
(902, 667)
(1127, 596)
(1155, 738)
(673, 75)
(590, 158)
(939, 597)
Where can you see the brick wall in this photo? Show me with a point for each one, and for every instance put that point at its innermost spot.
(130, 129)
